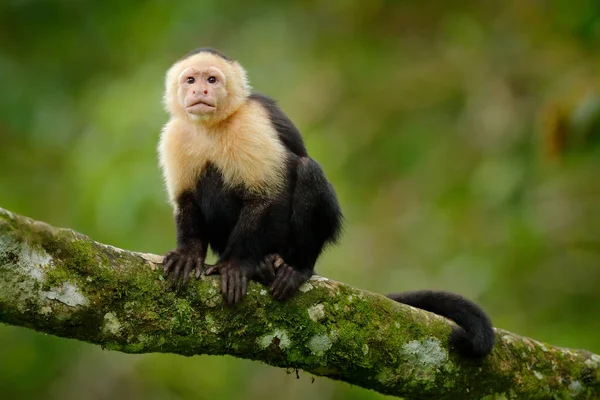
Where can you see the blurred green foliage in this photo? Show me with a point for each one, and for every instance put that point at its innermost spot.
(431, 119)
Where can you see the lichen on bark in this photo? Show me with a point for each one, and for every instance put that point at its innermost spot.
(63, 283)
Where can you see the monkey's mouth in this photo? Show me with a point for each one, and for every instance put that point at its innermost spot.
(200, 106)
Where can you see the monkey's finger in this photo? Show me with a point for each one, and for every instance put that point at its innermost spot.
(291, 275)
(231, 285)
(177, 269)
(237, 290)
(241, 287)
(276, 283)
(224, 284)
(199, 268)
(237, 286)
(189, 265)
(214, 270)
(244, 286)
(284, 284)
(290, 288)
(167, 267)
(282, 276)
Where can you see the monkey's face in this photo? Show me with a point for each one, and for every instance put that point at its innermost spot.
(205, 88)
(202, 90)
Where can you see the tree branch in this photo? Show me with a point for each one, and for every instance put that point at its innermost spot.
(63, 283)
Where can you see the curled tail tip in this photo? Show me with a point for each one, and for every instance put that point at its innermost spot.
(474, 335)
(477, 345)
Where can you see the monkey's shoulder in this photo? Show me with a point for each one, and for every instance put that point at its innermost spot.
(287, 132)
(247, 150)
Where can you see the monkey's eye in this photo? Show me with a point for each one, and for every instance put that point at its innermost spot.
(212, 79)
(190, 80)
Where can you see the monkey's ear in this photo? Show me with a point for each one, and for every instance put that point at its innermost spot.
(241, 80)
(171, 101)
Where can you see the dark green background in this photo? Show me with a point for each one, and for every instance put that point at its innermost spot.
(431, 119)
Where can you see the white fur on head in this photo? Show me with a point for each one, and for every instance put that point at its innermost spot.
(237, 86)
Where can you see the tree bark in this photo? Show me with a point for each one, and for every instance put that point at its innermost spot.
(60, 282)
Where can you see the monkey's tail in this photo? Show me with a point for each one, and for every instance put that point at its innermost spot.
(473, 337)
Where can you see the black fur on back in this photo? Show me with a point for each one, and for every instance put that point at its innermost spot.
(473, 337)
(207, 50)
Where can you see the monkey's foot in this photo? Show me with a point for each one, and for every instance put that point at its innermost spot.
(287, 280)
(234, 279)
(266, 269)
(181, 262)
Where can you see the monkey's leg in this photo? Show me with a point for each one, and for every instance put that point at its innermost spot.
(191, 242)
(316, 221)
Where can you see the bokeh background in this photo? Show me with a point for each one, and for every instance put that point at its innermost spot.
(463, 139)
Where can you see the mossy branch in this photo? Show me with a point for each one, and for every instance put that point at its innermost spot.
(63, 283)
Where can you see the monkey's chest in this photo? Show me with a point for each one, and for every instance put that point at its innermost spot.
(249, 161)
(219, 203)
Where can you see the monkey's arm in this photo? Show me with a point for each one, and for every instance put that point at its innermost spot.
(191, 240)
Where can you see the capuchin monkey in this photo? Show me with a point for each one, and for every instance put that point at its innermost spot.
(241, 181)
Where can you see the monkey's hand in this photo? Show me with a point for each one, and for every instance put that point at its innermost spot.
(265, 272)
(182, 261)
(235, 275)
(287, 279)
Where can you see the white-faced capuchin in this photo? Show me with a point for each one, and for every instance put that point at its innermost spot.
(240, 180)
